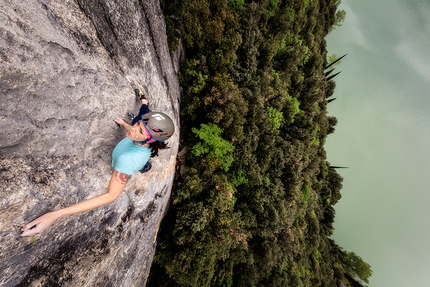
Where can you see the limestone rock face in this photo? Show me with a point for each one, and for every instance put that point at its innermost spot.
(67, 69)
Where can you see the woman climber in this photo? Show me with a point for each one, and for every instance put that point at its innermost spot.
(144, 138)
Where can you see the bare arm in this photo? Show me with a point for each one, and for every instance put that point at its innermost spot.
(116, 186)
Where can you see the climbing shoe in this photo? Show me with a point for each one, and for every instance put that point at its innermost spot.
(139, 94)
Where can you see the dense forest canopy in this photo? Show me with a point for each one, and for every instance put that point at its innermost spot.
(254, 199)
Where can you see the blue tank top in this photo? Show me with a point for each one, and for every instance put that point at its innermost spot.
(128, 158)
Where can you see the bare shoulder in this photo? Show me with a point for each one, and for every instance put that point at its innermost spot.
(120, 177)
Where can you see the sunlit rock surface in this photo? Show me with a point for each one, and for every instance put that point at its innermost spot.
(67, 68)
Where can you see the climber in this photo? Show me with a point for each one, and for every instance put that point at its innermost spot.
(144, 138)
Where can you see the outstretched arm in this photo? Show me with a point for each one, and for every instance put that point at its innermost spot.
(116, 186)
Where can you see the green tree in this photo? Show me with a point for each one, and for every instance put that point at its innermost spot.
(275, 117)
(236, 5)
(332, 58)
(338, 19)
(213, 145)
(355, 266)
(271, 7)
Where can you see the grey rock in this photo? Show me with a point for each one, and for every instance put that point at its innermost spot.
(67, 69)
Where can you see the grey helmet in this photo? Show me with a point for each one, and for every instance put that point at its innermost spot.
(159, 125)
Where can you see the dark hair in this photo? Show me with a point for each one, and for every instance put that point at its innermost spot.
(155, 146)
